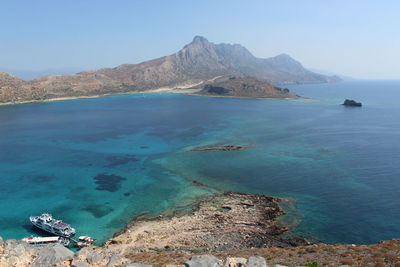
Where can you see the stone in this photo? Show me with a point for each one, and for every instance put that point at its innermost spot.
(81, 264)
(137, 265)
(278, 265)
(17, 253)
(52, 254)
(256, 262)
(113, 260)
(203, 261)
(234, 262)
(90, 255)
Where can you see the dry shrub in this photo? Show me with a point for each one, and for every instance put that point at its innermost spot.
(348, 262)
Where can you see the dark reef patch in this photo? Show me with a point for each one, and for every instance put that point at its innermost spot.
(144, 147)
(37, 179)
(108, 182)
(120, 160)
(127, 194)
(98, 210)
(43, 178)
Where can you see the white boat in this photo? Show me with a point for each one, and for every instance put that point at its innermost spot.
(38, 240)
(85, 241)
(47, 223)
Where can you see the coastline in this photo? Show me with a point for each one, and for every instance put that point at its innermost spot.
(174, 90)
(227, 221)
(246, 97)
(158, 90)
(147, 250)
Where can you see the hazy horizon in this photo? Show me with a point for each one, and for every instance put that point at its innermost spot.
(359, 39)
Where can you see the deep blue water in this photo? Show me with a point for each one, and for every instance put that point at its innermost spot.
(96, 163)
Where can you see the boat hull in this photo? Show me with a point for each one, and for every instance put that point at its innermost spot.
(49, 229)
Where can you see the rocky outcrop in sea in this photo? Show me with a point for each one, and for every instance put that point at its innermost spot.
(351, 103)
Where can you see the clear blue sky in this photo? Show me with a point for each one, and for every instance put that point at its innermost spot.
(351, 37)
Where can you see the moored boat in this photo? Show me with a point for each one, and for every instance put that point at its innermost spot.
(39, 241)
(85, 241)
(47, 223)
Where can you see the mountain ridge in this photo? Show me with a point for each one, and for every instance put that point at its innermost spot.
(196, 62)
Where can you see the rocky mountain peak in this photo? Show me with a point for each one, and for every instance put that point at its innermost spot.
(199, 43)
(199, 40)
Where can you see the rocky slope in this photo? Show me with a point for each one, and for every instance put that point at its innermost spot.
(245, 87)
(197, 62)
(19, 254)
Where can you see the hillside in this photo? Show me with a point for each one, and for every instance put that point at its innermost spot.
(197, 62)
(245, 87)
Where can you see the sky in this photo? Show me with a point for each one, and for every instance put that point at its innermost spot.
(356, 38)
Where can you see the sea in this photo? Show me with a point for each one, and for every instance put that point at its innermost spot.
(98, 163)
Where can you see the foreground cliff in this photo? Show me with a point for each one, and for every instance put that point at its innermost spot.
(196, 63)
(387, 253)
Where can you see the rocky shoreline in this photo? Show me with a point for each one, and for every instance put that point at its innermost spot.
(223, 230)
(221, 222)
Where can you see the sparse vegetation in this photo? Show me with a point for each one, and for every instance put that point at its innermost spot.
(386, 253)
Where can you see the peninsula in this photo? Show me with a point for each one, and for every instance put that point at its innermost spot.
(249, 87)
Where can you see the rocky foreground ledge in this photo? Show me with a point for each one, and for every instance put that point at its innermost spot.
(229, 229)
(387, 253)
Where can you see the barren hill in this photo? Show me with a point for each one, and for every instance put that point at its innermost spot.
(245, 87)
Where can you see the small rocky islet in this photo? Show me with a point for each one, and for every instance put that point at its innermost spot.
(351, 103)
(218, 148)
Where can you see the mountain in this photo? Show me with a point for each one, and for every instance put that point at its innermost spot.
(197, 62)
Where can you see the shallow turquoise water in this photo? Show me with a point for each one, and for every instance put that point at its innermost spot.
(340, 164)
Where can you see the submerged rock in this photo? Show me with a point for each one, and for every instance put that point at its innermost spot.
(108, 182)
(351, 103)
(118, 160)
